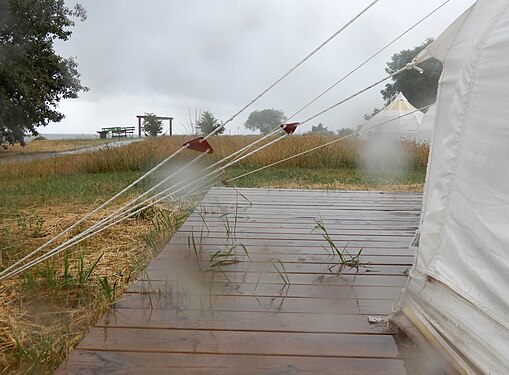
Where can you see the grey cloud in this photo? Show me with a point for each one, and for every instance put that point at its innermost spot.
(224, 52)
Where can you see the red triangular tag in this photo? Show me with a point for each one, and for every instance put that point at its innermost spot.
(290, 127)
(199, 144)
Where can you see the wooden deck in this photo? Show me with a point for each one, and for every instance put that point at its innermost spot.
(242, 318)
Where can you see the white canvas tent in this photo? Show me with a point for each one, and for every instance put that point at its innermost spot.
(458, 289)
(425, 129)
(404, 127)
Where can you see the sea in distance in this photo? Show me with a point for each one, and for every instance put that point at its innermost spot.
(56, 136)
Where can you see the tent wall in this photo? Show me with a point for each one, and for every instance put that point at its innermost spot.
(425, 130)
(458, 290)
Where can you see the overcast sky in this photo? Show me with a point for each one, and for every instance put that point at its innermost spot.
(172, 57)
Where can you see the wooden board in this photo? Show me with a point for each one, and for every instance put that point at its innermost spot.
(281, 309)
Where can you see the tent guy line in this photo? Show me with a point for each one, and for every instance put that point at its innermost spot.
(8, 273)
(185, 146)
(324, 145)
(370, 58)
(277, 128)
(344, 27)
(12, 271)
(117, 217)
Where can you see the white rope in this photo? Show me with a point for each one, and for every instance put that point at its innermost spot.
(216, 130)
(371, 57)
(103, 223)
(5, 271)
(117, 214)
(87, 234)
(275, 130)
(323, 145)
(186, 146)
(62, 248)
(125, 207)
(83, 236)
(8, 273)
(409, 66)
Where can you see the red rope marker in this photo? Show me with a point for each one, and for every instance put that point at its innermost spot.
(290, 127)
(199, 144)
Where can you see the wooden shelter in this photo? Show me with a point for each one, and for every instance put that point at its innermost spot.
(163, 118)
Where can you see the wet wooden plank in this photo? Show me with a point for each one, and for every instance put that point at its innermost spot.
(324, 258)
(317, 248)
(211, 320)
(248, 227)
(122, 363)
(238, 342)
(287, 305)
(273, 290)
(295, 278)
(317, 269)
(268, 242)
(303, 235)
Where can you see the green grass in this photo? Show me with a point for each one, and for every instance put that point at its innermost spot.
(82, 188)
(324, 178)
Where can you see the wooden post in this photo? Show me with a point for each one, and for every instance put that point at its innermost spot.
(139, 126)
(171, 120)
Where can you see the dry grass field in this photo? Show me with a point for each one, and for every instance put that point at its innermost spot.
(43, 145)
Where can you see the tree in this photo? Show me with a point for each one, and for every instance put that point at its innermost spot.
(419, 89)
(344, 132)
(374, 112)
(208, 123)
(152, 125)
(33, 78)
(320, 129)
(265, 120)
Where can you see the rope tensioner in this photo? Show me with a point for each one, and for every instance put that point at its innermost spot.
(290, 127)
(199, 144)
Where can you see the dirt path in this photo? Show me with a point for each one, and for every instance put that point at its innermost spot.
(48, 155)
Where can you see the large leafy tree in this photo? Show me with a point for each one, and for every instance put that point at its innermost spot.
(265, 120)
(419, 89)
(152, 125)
(33, 77)
(207, 123)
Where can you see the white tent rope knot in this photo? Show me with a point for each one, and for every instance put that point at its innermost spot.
(413, 65)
